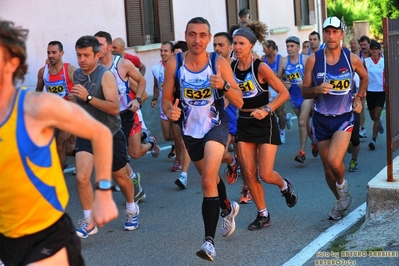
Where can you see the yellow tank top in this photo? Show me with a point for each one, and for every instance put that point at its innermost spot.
(33, 193)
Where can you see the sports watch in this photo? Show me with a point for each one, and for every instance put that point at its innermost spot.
(89, 98)
(138, 99)
(226, 86)
(103, 184)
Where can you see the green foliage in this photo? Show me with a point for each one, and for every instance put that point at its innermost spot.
(371, 10)
(382, 9)
(348, 10)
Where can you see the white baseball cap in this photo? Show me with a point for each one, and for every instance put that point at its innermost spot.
(333, 22)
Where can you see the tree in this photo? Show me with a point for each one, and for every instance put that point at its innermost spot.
(371, 10)
(382, 9)
(348, 10)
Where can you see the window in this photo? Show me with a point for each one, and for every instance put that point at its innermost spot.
(149, 21)
(234, 6)
(304, 12)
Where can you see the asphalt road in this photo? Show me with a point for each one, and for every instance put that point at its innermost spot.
(171, 227)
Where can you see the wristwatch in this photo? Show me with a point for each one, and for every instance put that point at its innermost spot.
(103, 185)
(268, 110)
(89, 98)
(138, 99)
(226, 86)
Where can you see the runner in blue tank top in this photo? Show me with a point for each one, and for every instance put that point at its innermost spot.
(328, 80)
(292, 68)
(199, 106)
(272, 59)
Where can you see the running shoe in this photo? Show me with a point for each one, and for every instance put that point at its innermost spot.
(372, 145)
(231, 175)
(181, 182)
(82, 231)
(207, 251)
(132, 221)
(246, 196)
(259, 223)
(353, 166)
(336, 212)
(300, 157)
(172, 153)
(176, 166)
(381, 128)
(345, 198)
(315, 152)
(362, 133)
(289, 194)
(139, 194)
(155, 150)
(229, 224)
(288, 121)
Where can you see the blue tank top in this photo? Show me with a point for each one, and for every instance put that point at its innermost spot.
(202, 105)
(273, 66)
(339, 99)
(294, 73)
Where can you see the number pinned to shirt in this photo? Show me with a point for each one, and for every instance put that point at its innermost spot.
(55, 89)
(200, 94)
(247, 86)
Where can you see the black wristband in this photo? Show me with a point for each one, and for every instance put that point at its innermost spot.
(154, 99)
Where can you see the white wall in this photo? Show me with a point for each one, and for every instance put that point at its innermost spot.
(66, 21)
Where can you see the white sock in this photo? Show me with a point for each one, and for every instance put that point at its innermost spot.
(338, 185)
(282, 132)
(285, 186)
(133, 175)
(86, 213)
(263, 212)
(183, 174)
(131, 207)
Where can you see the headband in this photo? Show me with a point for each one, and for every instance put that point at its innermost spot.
(247, 33)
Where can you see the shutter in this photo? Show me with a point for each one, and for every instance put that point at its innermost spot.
(232, 13)
(134, 22)
(298, 13)
(253, 7)
(165, 15)
(312, 13)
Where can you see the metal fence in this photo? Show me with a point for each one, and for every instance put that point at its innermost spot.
(391, 55)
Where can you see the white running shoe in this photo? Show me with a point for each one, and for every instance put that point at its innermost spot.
(229, 224)
(207, 251)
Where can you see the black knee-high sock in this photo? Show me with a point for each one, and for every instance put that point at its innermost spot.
(210, 215)
(224, 201)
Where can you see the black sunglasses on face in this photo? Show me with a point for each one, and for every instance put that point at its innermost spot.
(374, 48)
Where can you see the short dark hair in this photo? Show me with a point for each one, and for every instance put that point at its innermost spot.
(226, 35)
(364, 38)
(315, 33)
(105, 35)
(58, 43)
(169, 43)
(12, 41)
(180, 45)
(272, 44)
(243, 12)
(88, 41)
(199, 20)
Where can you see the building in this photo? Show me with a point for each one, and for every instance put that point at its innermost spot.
(144, 24)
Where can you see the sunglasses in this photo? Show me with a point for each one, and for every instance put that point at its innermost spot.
(374, 48)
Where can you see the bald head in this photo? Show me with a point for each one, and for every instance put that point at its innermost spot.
(118, 46)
